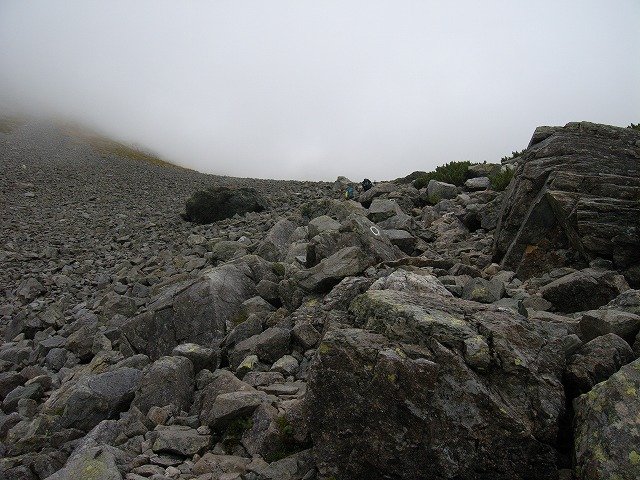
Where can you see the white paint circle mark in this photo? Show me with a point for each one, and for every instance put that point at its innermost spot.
(375, 230)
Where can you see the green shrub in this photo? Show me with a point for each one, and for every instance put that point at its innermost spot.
(515, 154)
(453, 172)
(635, 126)
(285, 445)
(278, 269)
(500, 181)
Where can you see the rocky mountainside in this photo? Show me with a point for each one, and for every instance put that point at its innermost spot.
(446, 333)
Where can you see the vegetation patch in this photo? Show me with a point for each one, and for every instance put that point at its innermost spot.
(286, 445)
(501, 180)
(455, 173)
(106, 146)
(9, 124)
(515, 154)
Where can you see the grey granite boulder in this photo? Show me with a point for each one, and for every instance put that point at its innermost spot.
(584, 290)
(178, 439)
(100, 397)
(575, 188)
(167, 381)
(606, 428)
(595, 361)
(594, 323)
(420, 381)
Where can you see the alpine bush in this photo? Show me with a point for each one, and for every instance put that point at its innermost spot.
(513, 155)
(453, 172)
(500, 181)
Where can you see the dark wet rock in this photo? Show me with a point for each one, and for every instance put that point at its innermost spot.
(200, 312)
(404, 377)
(100, 397)
(483, 291)
(596, 361)
(97, 462)
(331, 270)
(600, 322)
(233, 405)
(584, 290)
(220, 202)
(33, 391)
(276, 243)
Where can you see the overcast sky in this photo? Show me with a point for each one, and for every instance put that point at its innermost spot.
(315, 89)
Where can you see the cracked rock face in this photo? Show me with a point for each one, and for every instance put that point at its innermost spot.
(577, 188)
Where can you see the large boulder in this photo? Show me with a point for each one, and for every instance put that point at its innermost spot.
(575, 189)
(220, 202)
(584, 290)
(100, 397)
(167, 381)
(606, 428)
(596, 361)
(200, 312)
(330, 271)
(437, 385)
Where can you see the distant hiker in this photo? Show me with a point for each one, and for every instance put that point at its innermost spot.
(349, 193)
(366, 184)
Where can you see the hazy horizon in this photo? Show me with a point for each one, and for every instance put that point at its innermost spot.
(310, 91)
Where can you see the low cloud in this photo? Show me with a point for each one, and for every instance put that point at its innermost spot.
(302, 90)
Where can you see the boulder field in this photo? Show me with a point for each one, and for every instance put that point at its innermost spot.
(159, 323)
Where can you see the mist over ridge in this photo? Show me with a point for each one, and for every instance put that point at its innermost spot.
(300, 91)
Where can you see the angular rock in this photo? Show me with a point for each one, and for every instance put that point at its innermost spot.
(385, 388)
(220, 202)
(596, 361)
(10, 402)
(437, 191)
(276, 243)
(600, 322)
(263, 437)
(322, 224)
(95, 463)
(287, 365)
(229, 406)
(305, 335)
(346, 262)
(167, 381)
(178, 439)
(417, 281)
(401, 239)
(269, 345)
(221, 464)
(576, 189)
(200, 312)
(584, 290)
(201, 357)
(606, 427)
(100, 397)
(382, 209)
(483, 291)
(477, 183)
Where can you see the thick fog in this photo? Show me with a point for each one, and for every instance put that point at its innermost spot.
(315, 89)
